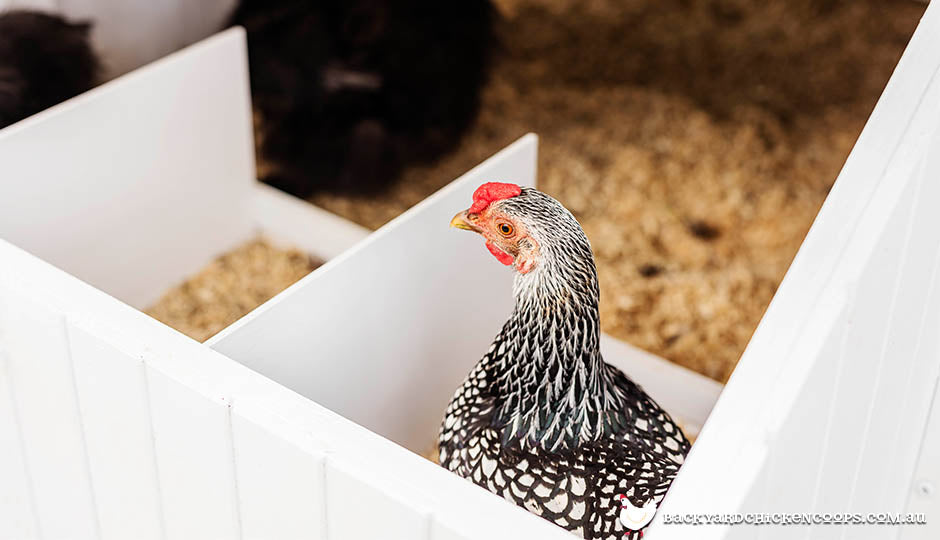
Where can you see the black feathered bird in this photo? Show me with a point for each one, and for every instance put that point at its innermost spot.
(44, 59)
(542, 420)
(349, 91)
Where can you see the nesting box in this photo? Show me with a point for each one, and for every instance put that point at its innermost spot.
(304, 418)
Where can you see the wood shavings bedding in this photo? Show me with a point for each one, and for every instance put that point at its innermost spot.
(229, 287)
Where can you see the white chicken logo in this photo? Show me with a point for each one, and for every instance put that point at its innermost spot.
(635, 518)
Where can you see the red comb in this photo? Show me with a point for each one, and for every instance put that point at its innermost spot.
(492, 191)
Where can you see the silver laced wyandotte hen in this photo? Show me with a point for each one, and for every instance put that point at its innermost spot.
(542, 420)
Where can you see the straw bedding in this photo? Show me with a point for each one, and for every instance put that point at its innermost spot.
(229, 287)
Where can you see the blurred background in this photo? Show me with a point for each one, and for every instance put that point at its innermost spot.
(695, 140)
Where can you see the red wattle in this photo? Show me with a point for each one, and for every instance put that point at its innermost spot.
(500, 255)
(492, 191)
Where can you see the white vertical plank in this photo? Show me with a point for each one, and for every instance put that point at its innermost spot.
(920, 393)
(799, 445)
(17, 514)
(903, 340)
(113, 400)
(194, 461)
(40, 369)
(863, 354)
(358, 509)
(280, 484)
(923, 495)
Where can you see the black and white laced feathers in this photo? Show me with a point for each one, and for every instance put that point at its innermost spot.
(542, 420)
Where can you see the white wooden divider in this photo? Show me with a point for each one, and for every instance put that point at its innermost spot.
(210, 448)
(160, 157)
(827, 409)
(141, 182)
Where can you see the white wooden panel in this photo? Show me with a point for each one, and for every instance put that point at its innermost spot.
(357, 509)
(141, 181)
(864, 351)
(383, 316)
(804, 438)
(192, 435)
(902, 351)
(280, 483)
(112, 394)
(17, 515)
(921, 493)
(40, 370)
(923, 496)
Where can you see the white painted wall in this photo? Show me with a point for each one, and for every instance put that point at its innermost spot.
(827, 410)
(130, 33)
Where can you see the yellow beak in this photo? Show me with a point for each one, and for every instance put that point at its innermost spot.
(460, 222)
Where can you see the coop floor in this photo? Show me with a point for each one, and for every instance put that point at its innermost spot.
(695, 141)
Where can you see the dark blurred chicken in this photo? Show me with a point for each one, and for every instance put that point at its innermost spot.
(350, 91)
(44, 60)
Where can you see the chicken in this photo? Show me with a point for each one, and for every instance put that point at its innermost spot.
(44, 59)
(349, 92)
(542, 420)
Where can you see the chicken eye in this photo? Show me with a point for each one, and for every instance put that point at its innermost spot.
(505, 229)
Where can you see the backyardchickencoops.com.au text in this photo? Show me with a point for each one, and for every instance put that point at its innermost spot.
(797, 518)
